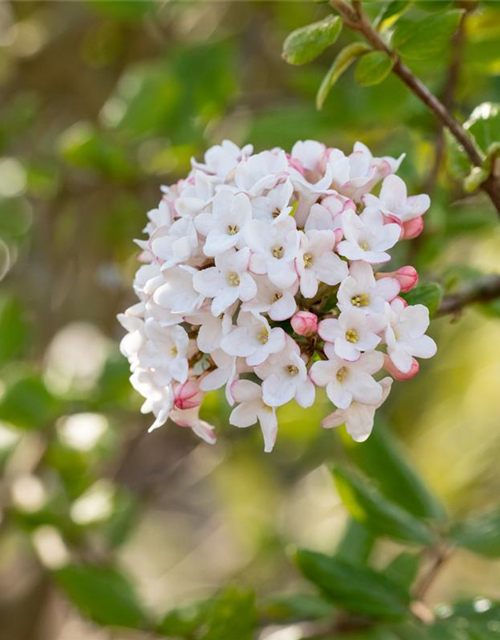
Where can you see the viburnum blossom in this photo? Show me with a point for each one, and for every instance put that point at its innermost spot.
(262, 275)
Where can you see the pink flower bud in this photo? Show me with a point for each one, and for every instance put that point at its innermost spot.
(412, 228)
(188, 395)
(391, 368)
(406, 276)
(295, 163)
(305, 323)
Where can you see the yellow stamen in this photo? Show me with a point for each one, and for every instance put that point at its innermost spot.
(263, 336)
(292, 370)
(351, 335)
(308, 259)
(276, 296)
(174, 351)
(232, 229)
(233, 279)
(278, 252)
(342, 373)
(361, 300)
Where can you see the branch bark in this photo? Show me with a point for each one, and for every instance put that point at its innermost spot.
(356, 19)
(483, 290)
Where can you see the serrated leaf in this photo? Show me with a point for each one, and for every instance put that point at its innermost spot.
(480, 533)
(356, 543)
(403, 569)
(381, 458)
(307, 43)
(367, 505)
(373, 68)
(103, 594)
(417, 40)
(341, 63)
(356, 589)
(429, 295)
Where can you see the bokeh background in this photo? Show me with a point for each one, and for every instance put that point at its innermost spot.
(100, 104)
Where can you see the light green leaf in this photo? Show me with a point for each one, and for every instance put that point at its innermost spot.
(484, 125)
(341, 63)
(480, 533)
(231, 616)
(382, 459)
(184, 621)
(356, 543)
(356, 589)
(297, 606)
(27, 403)
(373, 68)
(367, 505)
(103, 594)
(403, 569)
(307, 43)
(429, 294)
(392, 9)
(14, 330)
(417, 40)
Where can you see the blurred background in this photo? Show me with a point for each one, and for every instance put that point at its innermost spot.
(100, 104)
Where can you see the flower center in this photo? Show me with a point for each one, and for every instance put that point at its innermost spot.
(276, 296)
(276, 213)
(364, 246)
(308, 260)
(362, 300)
(342, 374)
(263, 336)
(292, 370)
(278, 252)
(233, 279)
(351, 335)
(174, 352)
(232, 229)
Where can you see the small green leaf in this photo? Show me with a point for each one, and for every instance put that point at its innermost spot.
(484, 125)
(297, 606)
(391, 9)
(184, 621)
(417, 40)
(480, 533)
(356, 543)
(429, 295)
(356, 589)
(382, 459)
(231, 616)
(27, 403)
(341, 63)
(367, 505)
(475, 178)
(103, 594)
(307, 43)
(403, 569)
(373, 68)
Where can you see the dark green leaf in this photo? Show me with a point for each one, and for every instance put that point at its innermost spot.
(356, 543)
(369, 506)
(428, 37)
(391, 9)
(341, 63)
(184, 621)
(307, 43)
(103, 594)
(354, 588)
(27, 403)
(231, 616)
(484, 125)
(381, 459)
(297, 607)
(403, 569)
(480, 533)
(14, 330)
(373, 68)
(428, 294)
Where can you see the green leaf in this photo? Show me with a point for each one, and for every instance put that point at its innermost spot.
(184, 621)
(231, 616)
(356, 589)
(428, 294)
(391, 9)
(468, 620)
(403, 569)
(14, 330)
(356, 543)
(373, 68)
(367, 505)
(297, 606)
(103, 594)
(307, 43)
(341, 63)
(484, 125)
(417, 40)
(27, 403)
(480, 533)
(382, 459)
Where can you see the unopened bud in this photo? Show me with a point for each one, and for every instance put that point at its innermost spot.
(406, 276)
(188, 395)
(391, 368)
(305, 323)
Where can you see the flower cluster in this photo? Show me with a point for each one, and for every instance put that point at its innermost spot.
(262, 274)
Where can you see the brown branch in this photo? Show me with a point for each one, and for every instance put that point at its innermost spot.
(356, 19)
(483, 290)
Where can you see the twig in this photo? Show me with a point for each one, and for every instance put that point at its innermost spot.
(483, 290)
(356, 19)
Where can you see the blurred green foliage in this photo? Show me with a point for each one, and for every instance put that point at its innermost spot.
(101, 103)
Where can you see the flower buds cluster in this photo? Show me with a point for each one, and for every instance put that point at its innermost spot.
(262, 275)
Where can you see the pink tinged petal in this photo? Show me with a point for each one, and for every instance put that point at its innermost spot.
(322, 372)
(335, 419)
(414, 320)
(413, 228)
(393, 193)
(305, 393)
(346, 350)
(339, 394)
(359, 421)
(365, 389)
(244, 415)
(308, 283)
(205, 431)
(269, 427)
(350, 250)
(246, 391)
(209, 335)
(277, 391)
(304, 323)
(330, 269)
(371, 362)
(224, 300)
(423, 347)
(258, 264)
(179, 368)
(406, 276)
(418, 205)
(400, 358)
(387, 288)
(203, 223)
(238, 343)
(329, 329)
(218, 242)
(391, 368)
(215, 379)
(283, 309)
(208, 282)
(247, 289)
(282, 274)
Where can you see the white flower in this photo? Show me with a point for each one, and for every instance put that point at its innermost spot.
(367, 237)
(310, 154)
(161, 217)
(221, 159)
(195, 194)
(285, 377)
(159, 400)
(253, 409)
(274, 249)
(316, 262)
(260, 172)
(177, 245)
(274, 206)
(225, 373)
(278, 303)
(358, 417)
(177, 293)
(352, 333)
(360, 290)
(404, 335)
(394, 201)
(253, 339)
(135, 339)
(227, 282)
(347, 381)
(224, 226)
(190, 419)
(212, 328)
(166, 352)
